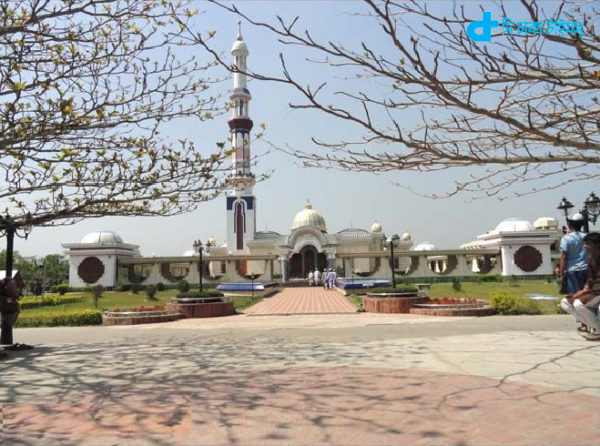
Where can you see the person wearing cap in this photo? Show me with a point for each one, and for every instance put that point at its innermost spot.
(586, 303)
(573, 267)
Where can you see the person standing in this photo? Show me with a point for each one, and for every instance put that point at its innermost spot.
(311, 278)
(317, 277)
(331, 279)
(573, 268)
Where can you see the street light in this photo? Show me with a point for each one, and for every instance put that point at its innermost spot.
(252, 277)
(393, 239)
(590, 211)
(198, 249)
(11, 227)
(40, 262)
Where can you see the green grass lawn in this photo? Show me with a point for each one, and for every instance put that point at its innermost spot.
(127, 299)
(485, 290)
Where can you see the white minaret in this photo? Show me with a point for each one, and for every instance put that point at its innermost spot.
(241, 203)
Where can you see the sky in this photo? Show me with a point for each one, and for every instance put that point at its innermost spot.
(344, 199)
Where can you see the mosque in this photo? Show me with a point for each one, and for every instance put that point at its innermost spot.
(515, 246)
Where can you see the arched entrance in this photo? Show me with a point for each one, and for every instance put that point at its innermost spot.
(306, 260)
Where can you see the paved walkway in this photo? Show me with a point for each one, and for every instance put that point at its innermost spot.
(406, 380)
(306, 300)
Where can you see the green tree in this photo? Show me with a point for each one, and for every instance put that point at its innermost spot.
(85, 87)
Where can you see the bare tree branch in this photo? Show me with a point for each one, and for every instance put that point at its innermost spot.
(519, 108)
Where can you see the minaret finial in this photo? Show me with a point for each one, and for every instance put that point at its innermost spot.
(239, 36)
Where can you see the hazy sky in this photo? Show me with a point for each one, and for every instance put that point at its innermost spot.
(344, 199)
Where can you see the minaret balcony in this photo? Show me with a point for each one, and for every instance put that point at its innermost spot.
(241, 92)
(240, 123)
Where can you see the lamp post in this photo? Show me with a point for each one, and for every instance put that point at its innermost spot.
(590, 211)
(199, 249)
(252, 277)
(391, 242)
(40, 262)
(11, 227)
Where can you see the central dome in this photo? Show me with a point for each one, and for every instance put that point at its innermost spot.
(309, 217)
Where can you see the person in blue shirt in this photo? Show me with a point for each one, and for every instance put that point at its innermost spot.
(573, 266)
(586, 302)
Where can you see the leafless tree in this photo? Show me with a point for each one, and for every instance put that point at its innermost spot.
(520, 108)
(85, 87)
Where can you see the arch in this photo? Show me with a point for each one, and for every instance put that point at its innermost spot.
(306, 236)
(306, 259)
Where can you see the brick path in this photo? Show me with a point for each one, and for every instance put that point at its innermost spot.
(499, 389)
(307, 300)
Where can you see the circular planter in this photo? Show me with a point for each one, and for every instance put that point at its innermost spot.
(392, 302)
(467, 308)
(138, 317)
(198, 307)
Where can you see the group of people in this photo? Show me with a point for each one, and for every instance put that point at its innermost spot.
(579, 273)
(325, 278)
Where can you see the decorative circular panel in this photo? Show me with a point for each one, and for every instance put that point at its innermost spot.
(91, 269)
(528, 258)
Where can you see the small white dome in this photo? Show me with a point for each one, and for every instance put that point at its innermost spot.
(545, 223)
(102, 238)
(212, 240)
(424, 246)
(376, 227)
(406, 237)
(514, 225)
(189, 253)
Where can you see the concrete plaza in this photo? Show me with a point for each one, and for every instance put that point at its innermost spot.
(342, 379)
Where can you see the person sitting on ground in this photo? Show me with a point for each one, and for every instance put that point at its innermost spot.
(586, 302)
(573, 268)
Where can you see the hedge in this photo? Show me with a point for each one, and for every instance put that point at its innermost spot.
(502, 303)
(47, 300)
(211, 293)
(72, 318)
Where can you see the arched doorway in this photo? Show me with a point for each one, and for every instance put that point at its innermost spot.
(306, 260)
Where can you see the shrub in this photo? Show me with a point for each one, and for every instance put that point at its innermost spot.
(513, 280)
(150, 292)
(47, 300)
(136, 287)
(125, 287)
(476, 279)
(502, 303)
(160, 286)
(492, 278)
(183, 286)
(60, 318)
(456, 285)
(61, 288)
(97, 294)
(211, 293)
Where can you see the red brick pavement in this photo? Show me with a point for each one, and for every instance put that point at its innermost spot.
(307, 300)
(310, 406)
